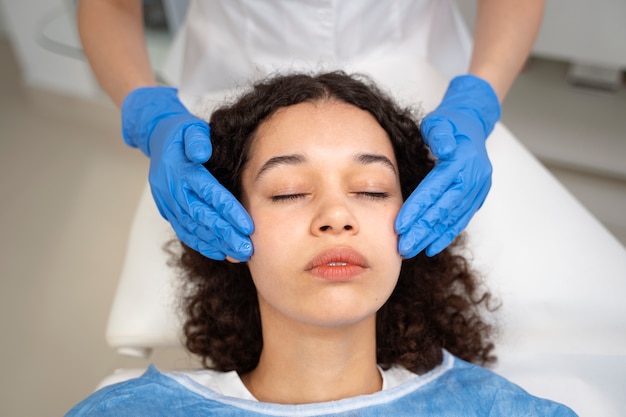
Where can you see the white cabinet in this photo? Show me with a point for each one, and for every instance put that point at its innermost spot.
(578, 31)
(583, 31)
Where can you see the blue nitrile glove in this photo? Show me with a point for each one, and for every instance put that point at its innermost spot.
(204, 215)
(445, 201)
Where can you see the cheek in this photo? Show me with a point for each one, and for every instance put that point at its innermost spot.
(275, 258)
(381, 233)
(273, 226)
(385, 241)
(382, 220)
(275, 234)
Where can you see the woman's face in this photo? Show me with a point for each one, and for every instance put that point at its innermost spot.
(323, 190)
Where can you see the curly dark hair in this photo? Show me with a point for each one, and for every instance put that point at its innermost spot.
(438, 301)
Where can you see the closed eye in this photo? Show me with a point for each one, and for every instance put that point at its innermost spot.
(287, 197)
(373, 195)
(363, 194)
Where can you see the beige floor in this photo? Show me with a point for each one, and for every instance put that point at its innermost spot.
(68, 189)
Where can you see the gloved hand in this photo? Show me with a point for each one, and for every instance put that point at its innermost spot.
(204, 215)
(445, 201)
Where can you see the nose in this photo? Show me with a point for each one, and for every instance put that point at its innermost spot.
(334, 217)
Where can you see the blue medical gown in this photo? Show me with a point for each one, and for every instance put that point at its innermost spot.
(454, 388)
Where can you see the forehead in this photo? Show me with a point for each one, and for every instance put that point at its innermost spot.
(320, 127)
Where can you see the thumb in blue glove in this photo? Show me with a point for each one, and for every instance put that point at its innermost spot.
(446, 200)
(204, 215)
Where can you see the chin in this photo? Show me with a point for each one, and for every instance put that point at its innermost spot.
(340, 315)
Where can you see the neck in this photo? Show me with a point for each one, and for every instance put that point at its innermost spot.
(303, 364)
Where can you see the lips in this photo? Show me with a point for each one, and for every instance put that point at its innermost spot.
(337, 264)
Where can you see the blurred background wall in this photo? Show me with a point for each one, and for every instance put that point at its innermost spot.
(69, 185)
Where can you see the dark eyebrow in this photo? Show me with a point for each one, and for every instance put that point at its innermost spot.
(368, 158)
(280, 160)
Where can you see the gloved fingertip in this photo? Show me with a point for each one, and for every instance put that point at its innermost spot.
(401, 224)
(198, 152)
(406, 247)
(212, 254)
(438, 246)
(248, 226)
(430, 252)
(246, 249)
(197, 144)
(243, 253)
(442, 145)
(245, 224)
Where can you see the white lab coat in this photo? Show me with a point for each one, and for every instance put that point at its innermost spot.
(558, 272)
(225, 43)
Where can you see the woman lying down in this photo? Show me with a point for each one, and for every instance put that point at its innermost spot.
(326, 318)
